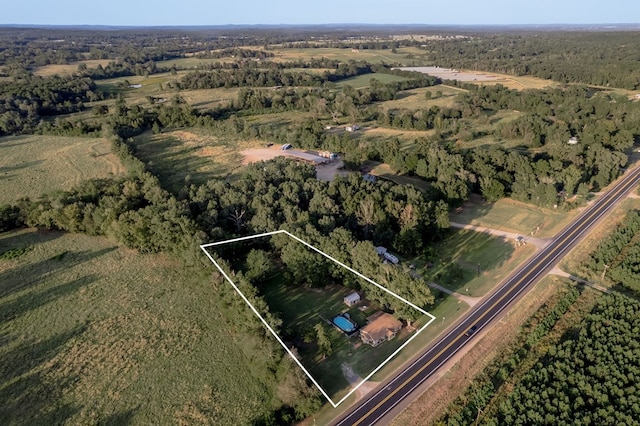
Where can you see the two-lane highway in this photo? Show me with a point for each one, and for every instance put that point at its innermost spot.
(371, 410)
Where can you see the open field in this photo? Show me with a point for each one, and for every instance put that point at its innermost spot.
(152, 85)
(415, 98)
(487, 78)
(384, 171)
(463, 253)
(189, 155)
(94, 333)
(347, 54)
(33, 165)
(66, 69)
(513, 216)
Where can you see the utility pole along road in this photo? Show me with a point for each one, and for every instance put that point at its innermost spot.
(375, 407)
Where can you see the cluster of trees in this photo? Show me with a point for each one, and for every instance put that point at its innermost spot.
(486, 393)
(590, 377)
(23, 104)
(618, 254)
(558, 56)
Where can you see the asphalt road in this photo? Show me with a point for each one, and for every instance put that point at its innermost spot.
(373, 409)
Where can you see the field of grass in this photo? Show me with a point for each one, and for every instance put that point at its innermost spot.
(384, 171)
(513, 216)
(467, 251)
(67, 69)
(33, 165)
(361, 81)
(96, 334)
(409, 56)
(517, 83)
(415, 98)
(189, 155)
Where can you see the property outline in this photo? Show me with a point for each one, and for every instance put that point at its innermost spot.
(204, 247)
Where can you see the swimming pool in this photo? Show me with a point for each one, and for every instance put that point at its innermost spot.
(344, 324)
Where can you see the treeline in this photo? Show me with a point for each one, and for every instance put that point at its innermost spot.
(559, 56)
(618, 254)
(25, 103)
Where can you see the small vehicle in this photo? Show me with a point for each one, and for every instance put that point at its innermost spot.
(471, 331)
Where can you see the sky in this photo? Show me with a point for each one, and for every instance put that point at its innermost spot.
(217, 12)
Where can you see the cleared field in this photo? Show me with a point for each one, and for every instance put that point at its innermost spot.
(152, 85)
(510, 215)
(66, 69)
(415, 98)
(33, 165)
(97, 334)
(191, 155)
(365, 80)
(404, 56)
(384, 171)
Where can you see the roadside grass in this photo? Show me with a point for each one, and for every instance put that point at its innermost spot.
(34, 165)
(189, 156)
(68, 69)
(513, 216)
(463, 253)
(361, 81)
(95, 333)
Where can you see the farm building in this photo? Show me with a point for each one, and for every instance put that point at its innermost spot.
(352, 299)
(307, 157)
(352, 129)
(380, 328)
(286, 146)
(135, 86)
(572, 140)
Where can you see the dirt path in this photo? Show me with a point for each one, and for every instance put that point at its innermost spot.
(471, 301)
(538, 242)
(354, 379)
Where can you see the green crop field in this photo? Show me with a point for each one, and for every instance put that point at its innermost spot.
(94, 333)
(33, 165)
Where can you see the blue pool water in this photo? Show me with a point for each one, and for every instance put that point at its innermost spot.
(344, 324)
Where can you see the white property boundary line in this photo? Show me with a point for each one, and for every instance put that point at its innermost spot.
(255, 311)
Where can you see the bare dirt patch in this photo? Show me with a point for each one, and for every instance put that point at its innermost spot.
(260, 154)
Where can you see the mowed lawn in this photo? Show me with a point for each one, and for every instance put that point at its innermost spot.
(96, 334)
(513, 216)
(33, 165)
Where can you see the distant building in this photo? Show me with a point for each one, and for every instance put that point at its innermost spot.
(572, 140)
(286, 146)
(381, 250)
(352, 128)
(380, 328)
(135, 86)
(352, 299)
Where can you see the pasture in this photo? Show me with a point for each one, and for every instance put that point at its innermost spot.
(403, 56)
(95, 333)
(364, 80)
(189, 156)
(68, 69)
(33, 165)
